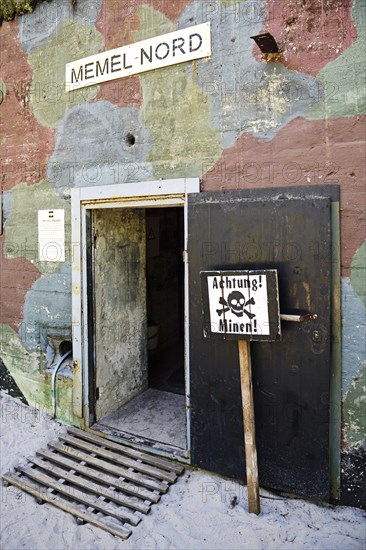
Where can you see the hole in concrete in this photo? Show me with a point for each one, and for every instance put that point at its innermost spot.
(130, 139)
(64, 347)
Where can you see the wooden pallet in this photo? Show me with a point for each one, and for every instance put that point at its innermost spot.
(106, 484)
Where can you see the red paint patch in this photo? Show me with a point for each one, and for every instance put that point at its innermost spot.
(123, 92)
(304, 152)
(17, 276)
(310, 33)
(118, 22)
(25, 144)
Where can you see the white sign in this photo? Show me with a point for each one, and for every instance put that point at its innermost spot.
(153, 53)
(51, 235)
(238, 304)
(241, 305)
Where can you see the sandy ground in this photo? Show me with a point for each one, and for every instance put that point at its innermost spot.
(196, 513)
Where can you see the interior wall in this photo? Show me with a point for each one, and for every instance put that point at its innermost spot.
(120, 307)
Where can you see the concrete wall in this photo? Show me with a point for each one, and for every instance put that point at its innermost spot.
(238, 120)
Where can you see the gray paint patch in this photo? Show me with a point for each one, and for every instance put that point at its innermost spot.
(8, 205)
(245, 95)
(35, 29)
(47, 310)
(353, 335)
(94, 147)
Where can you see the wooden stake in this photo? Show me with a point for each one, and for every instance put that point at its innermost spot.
(249, 426)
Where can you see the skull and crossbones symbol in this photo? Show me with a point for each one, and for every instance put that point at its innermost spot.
(236, 304)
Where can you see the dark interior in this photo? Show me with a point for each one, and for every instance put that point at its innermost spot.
(165, 298)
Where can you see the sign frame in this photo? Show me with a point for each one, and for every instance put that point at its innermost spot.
(187, 44)
(274, 322)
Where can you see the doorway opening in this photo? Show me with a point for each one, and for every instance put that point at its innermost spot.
(165, 299)
(139, 337)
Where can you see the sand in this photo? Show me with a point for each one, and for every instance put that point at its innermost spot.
(197, 512)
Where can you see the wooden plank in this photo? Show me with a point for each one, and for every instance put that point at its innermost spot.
(66, 506)
(117, 497)
(108, 467)
(78, 495)
(99, 476)
(249, 426)
(165, 464)
(124, 461)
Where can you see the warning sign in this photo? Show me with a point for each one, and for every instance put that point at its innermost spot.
(241, 304)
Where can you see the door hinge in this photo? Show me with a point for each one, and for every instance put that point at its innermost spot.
(185, 256)
(96, 394)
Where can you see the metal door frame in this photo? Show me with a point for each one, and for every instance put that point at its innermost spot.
(150, 194)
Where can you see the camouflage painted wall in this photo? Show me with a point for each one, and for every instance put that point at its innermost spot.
(237, 120)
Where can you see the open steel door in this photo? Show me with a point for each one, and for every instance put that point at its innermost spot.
(288, 230)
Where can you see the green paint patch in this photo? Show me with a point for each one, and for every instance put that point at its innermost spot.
(358, 272)
(48, 99)
(354, 409)
(21, 229)
(32, 378)
(227, 3)
(176, 112)
(2, 90)
(343, 79)
(152, 23)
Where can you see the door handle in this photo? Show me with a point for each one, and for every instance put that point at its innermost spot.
(298, 318)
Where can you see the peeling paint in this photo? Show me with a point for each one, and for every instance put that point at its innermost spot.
(311, 33)
(245, 95)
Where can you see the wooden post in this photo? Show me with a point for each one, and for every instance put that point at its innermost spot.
(249, 427)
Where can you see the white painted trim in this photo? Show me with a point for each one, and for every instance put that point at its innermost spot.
(167, 193)
(142, 189)
(155, 202)
(76, 278)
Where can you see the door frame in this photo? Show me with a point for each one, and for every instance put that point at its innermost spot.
(149, 194)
